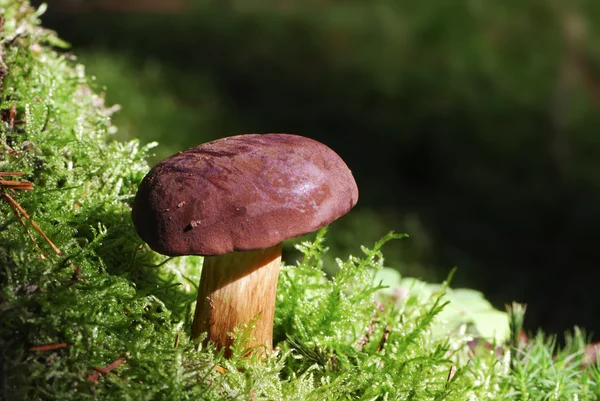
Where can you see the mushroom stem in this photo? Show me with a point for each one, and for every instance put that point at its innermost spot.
(234, 289)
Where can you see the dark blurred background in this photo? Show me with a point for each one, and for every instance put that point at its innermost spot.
(471, 125)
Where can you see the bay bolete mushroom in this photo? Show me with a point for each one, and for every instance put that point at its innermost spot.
(234, 201)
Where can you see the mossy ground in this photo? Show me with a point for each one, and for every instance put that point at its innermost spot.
(101, 300)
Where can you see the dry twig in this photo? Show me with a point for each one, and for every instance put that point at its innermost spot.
(18, 209)
(384, 338)
(15, 205)
(49, 347)
(94, 377)
(176, 340)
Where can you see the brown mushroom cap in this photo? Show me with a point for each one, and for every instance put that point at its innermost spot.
(241, 193)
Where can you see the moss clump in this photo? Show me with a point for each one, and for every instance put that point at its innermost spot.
(91, 292)
(97, 315)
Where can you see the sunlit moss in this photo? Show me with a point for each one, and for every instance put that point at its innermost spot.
(102, 299)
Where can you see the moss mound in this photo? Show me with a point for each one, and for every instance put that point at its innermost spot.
(87, 311)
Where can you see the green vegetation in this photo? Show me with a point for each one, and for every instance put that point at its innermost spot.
(475, 121)
(100, 316)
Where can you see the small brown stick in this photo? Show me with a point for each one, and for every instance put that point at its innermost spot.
(18, 215)
(21, 185)
(94, 377)
(176, 340)
(110, 367)
(220, 369)
(12, 115)
(451, 373)
(14, 203)
(252, 396)
(384, 338)
(11, 173)
(367, 336)
(49, 347)
(76, 273)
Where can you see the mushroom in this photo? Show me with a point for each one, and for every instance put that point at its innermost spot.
(234, 201)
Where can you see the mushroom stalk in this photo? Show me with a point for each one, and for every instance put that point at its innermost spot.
(234, 289)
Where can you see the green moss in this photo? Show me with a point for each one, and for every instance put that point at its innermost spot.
(105, 299)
